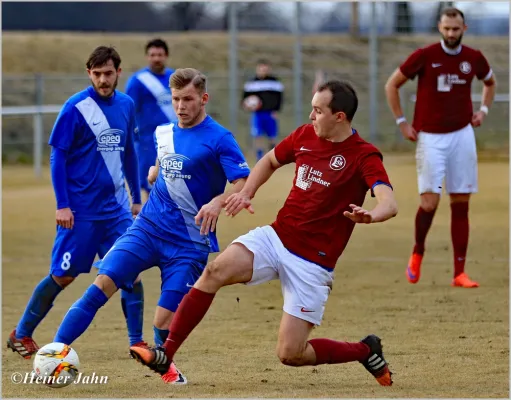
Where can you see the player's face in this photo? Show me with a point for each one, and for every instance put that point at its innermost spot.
(189, 105)
(156, 58)
(105, 78)
(323, 120)
(452, 30)
(262, 70)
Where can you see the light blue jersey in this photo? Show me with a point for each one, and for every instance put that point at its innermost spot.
(153, 101)
(97, 136)
(195, 165)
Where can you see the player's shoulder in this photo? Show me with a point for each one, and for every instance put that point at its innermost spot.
(471, 51)
(123, 99)
(77, 98)
(365, 148)
(169, 71)
(165, 128)
(217, 130)
(304, 131)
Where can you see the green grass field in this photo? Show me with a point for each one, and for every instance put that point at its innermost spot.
(440, 341)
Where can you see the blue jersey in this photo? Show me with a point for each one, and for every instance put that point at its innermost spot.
(96, 136)
(153, 99)
(195, 165)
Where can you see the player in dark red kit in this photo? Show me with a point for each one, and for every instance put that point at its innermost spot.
(335, 168)
(443, 128)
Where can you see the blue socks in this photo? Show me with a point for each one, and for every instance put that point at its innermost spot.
(80, 315)
(40, 303)
(259, 154)
(160, 336)
(133, 309)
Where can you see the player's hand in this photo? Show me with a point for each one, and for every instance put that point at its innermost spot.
(135, 209)
(65, 218)
(152, 175)
(237, 202)
(359, 215)
(477, 119)
(408, 131)
(208, 216)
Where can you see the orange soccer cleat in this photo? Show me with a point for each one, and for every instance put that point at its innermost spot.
(462, 280)
(413, 271)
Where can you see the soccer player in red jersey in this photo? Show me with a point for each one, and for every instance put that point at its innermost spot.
(443, 128)
(335, 168)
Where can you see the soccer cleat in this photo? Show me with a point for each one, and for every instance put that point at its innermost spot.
(156, 359)
(462, 280)
(375, 363)
(25, 347)
(139, 344)
(413, 271)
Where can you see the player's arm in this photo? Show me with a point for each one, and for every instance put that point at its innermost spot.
(153, 172)
(408, 70)
(386, 206)
(485, 73)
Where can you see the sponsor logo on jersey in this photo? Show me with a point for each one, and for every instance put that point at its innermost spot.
(171, 166)
(110, 140)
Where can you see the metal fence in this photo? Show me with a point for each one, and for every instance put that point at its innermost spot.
(366, 59)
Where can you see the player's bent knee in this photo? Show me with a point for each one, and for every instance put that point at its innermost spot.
(459, 198)
(162, 318)
(106, 284)
(429, 201)
(63, 281)
(290, 356)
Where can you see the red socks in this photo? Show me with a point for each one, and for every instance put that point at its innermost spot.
(423, 221)
(333, 352)
(459, 235)
(190, 312)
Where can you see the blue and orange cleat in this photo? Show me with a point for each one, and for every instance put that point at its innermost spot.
(156, 359)
(375, 362)
(413, 271)
(462, 280)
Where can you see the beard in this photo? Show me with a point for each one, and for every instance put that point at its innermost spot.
(106, 86)
(452, 43)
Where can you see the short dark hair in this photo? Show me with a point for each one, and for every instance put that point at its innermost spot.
(263, 61)
(452, 12)
(184, 76)
(159, 43)
(101, 55)
(344, 97)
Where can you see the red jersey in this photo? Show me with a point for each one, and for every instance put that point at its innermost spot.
(328, 178)
(444, 102)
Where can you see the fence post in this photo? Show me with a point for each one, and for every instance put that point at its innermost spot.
(373, 74)
(38, 126)
(297, 66)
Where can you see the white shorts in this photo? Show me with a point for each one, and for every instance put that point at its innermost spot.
(305, 285)
(452, 156)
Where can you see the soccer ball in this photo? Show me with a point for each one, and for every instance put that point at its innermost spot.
(56, 365)
(252, 103)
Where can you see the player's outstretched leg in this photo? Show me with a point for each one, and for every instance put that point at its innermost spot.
(459, 235)
(234, 265)
(82, 312)
(20, 340)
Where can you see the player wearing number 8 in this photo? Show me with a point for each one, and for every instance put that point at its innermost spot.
(443, 128)
(92, 152)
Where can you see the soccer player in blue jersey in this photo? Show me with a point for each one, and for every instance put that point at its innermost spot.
(176, 228)
(92, 152)
(149, 90)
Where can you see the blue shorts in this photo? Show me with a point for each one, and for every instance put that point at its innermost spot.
(264, 124)
(146, 153)
(138, 250)
(75, 249)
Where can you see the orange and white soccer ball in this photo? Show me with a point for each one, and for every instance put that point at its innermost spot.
(56, 365)
(252, 103)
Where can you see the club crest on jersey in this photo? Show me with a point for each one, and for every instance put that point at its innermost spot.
(110, 140)
(171, 166)
(465, 67)
(337, 163)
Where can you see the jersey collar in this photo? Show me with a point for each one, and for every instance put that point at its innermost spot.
(449, 51)
(99, 98)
